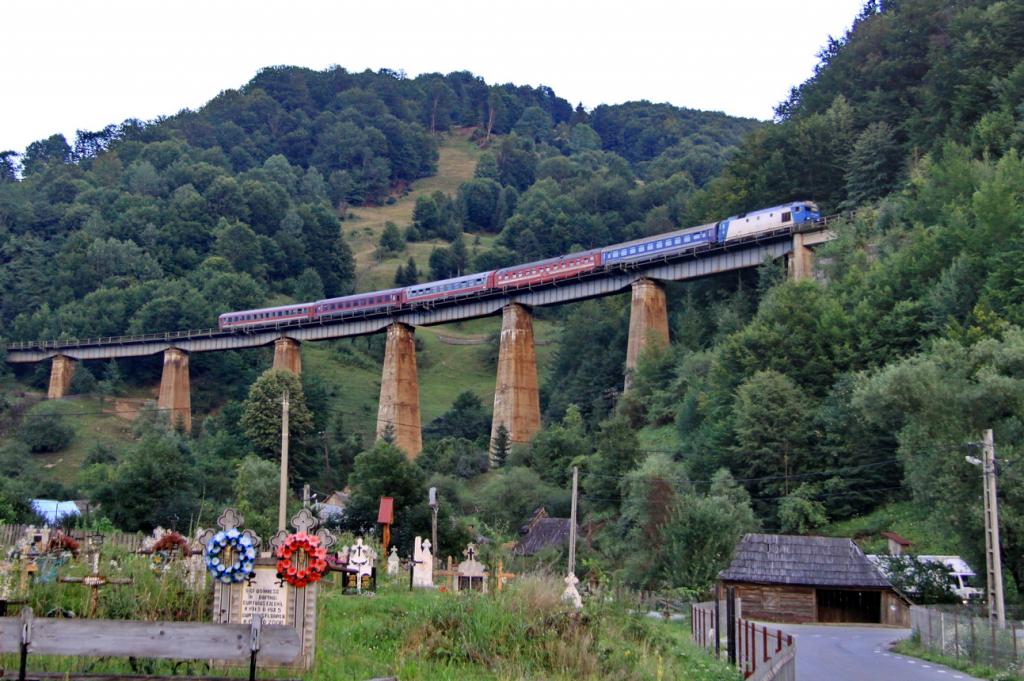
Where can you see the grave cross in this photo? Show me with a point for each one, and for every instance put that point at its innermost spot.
(500, 576)
(95, 581)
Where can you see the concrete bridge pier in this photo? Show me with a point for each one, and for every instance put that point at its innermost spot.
(516, 396)
(175, 392)
(399, 409)
(288, 355)
(61, 371)
(648, 323)
(801, 260)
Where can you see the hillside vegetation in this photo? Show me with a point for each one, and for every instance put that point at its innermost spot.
(781, 405)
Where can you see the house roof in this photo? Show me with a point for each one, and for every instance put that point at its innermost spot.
(810, 561)
(896, 538)
(541, 532)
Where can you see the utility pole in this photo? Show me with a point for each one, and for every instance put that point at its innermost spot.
(993, 556)
(992, 548)
(282, 499)
(433, 523)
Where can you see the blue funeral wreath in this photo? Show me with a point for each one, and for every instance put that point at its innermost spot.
(239, 548)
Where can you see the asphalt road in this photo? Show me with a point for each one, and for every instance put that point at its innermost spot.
(860, 654)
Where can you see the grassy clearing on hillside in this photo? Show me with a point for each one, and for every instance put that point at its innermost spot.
(364, 225)
(906, 519)
(94, 423)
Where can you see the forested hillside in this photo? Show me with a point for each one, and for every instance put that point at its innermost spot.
(781, 405)
(299, 185)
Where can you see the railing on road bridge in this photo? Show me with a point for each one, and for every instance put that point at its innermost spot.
(195, 334)
(760, 652)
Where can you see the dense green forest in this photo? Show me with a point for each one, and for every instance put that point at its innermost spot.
(780, 405)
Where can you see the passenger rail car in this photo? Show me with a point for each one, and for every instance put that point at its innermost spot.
(448, 288)
(270, 316)
(361, 302)
(547, 271)
(766, 221)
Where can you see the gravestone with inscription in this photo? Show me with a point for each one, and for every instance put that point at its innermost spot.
(265, 594)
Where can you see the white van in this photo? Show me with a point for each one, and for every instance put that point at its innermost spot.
(964, 578)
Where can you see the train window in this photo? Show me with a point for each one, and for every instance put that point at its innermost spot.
(796, 209)
(787, 216)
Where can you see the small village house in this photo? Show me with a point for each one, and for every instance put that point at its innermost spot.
(787, 578)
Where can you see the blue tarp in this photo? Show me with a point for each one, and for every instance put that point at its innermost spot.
(53, 510)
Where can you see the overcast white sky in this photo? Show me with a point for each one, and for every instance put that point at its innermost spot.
(82, 64)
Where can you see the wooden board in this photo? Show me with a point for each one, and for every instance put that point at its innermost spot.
(170, 640)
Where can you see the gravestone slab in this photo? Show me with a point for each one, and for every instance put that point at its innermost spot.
(394, 562)
(472, 574)
(361, 559)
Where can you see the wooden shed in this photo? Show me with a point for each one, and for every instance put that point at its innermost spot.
(787, 578)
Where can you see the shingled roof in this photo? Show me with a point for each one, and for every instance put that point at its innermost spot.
(541, 532)
(810, 561)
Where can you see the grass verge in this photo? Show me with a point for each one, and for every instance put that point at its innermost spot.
(912, 647)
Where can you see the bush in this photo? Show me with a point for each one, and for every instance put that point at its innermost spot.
(43, 430)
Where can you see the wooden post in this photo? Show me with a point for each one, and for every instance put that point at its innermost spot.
(956, 635)
(282, 499)
(730, 624)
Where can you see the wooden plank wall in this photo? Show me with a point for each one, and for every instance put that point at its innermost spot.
(895, 610)
(777, 603)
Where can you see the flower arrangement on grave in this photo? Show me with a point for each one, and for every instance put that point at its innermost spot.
(60, 542)
(171, 542)
(230, 556)
(301, 560)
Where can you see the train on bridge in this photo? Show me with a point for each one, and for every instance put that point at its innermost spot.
(552, 270)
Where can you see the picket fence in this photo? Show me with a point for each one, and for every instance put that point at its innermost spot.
(762, 653)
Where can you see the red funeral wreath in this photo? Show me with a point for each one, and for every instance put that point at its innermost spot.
(290, 564)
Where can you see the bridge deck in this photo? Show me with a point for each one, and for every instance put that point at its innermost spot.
(690, 266)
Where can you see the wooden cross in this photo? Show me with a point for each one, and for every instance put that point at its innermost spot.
(95, 581)
(451, 573)
(500, 576)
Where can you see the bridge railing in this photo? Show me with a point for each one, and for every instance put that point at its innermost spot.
(110, 340)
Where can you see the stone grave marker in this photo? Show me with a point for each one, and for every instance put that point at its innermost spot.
(361, 559)
(472, 574)
(394, 562)
(423, 564)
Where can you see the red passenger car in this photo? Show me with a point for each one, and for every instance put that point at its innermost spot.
(545, 271)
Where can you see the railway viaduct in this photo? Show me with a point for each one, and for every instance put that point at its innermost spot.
(516, 397)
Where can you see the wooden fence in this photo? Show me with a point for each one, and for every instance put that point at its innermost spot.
(955, 632)
(10, 535)
(238, 643)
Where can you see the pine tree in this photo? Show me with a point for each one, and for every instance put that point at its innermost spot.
(500, 447)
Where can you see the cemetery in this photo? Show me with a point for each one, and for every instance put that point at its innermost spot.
(223, 602)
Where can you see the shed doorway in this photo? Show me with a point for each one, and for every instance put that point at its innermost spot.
(848, 605)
